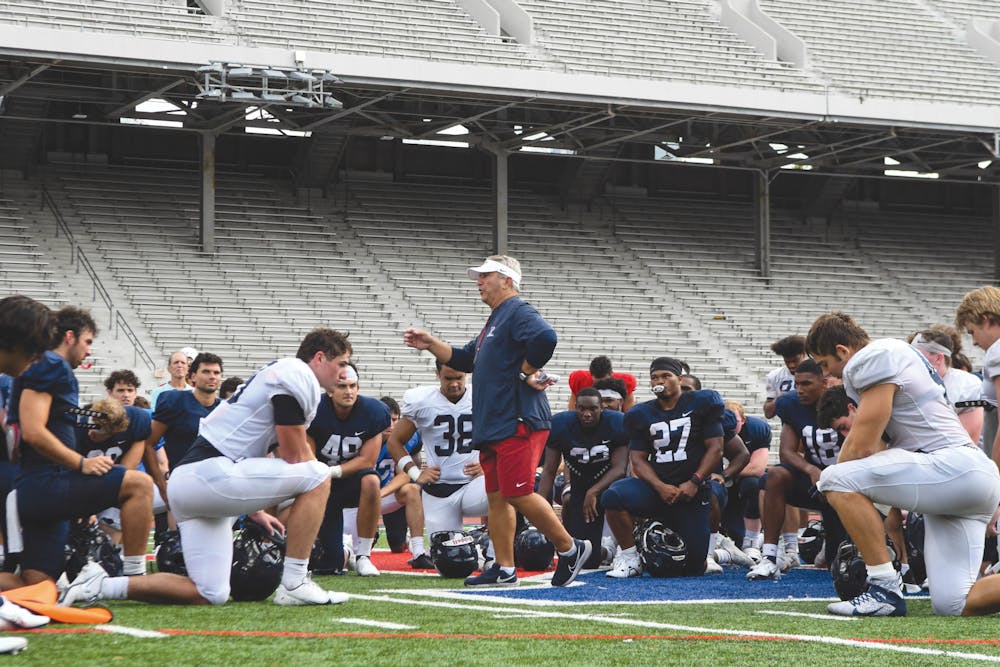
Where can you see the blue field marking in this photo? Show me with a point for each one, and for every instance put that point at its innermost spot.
(797, 584)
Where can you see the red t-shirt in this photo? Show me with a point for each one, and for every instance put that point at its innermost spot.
(581, 379)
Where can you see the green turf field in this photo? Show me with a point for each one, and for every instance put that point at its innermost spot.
(399, 619)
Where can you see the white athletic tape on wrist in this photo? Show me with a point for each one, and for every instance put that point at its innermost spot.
(401, 466)
(414, 473)
(336, 472)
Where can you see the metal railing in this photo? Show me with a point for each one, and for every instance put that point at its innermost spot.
(138, 349)
(79, 258)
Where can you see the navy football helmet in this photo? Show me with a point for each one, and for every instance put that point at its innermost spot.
(454, 553)
(850, 574)
(258, 561)
(914, 530)
(169, 554)
(88, 542)
(812, 541)
(533, 551)
(662, 550)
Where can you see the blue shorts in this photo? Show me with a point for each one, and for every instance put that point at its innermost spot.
(802, 493)
(48, 497)
(344, 492)
(719, 492)
(577, 526)
(689, 519)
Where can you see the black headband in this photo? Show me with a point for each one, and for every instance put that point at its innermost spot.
(667, 364)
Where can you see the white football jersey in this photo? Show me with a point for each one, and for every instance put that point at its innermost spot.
(445, 430)
(962, 387)
(991, 369)
(243, 425)
(780, 381)
(922, 417)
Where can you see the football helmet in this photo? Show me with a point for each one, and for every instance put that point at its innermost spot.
(533, 551)
(662, 550)
(88, 542)
(169, 554)
(849, 572)
(482, 537)
(258, 561)
(914, 529)
(454, 553)
(812, 541)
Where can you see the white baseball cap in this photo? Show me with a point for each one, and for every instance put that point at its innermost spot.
(189, 352)
(493, 266)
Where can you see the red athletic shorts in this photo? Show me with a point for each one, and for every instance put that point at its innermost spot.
(509, 465)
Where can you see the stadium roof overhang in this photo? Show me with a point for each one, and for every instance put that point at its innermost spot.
(508, 110)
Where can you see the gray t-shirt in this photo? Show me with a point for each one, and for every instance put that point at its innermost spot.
(922, 418)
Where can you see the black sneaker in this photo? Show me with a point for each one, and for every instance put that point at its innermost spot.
(421, 562)
(493, 576)
(570, 566)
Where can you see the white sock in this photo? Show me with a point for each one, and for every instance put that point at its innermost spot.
(631, 551)
(771, 551)
(570, 553)
(790, 541)
(903, 569)
(507, 570)
(884, 571)
(713, 539)
(365, 546)
(490, 553)
(750, 539)
(134, 565)
(295, 572)
(114, 588)
(417, 545)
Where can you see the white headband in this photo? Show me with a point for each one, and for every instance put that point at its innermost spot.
(922, 343)
(610, 393)
(348, 373)
(493, 266)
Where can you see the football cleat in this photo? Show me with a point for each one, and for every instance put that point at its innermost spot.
(625, 566)
(307, 593)
(765, 569)
(875, 601)
(609, 547)
(712, 567)
(86, 588)
(365, 568)
(15, 616)
(754, 554)
(493, 577)
(12, 645)
(421, 562)
(787, 560)
(734, 553)
(569, 566)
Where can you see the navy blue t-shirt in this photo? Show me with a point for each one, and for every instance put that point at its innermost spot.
(821, 445)
(181, 412)
(756, 434)
(115, 446)
(674, 440)
(339, 440)
(51, 374)
(587, 452)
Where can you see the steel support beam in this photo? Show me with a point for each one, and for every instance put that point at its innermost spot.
(207, 217)
(762, 223)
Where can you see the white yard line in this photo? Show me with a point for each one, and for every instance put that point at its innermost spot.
(655, 625)
(824, 617)
(385, 625)
(131, 632)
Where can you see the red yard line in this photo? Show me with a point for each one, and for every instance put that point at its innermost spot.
(505, 636)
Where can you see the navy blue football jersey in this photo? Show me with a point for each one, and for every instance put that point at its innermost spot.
(51, 374)
(338, 441)
(138, 429)
(756, 434)
(674, 440)
(181, 412)
(821, 445)
(587, 452)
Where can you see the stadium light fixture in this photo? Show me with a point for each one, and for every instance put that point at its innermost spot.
(223, 82)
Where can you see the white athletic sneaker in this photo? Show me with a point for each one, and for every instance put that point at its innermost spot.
(307, 593)
(765, 569)
(20, 617)
(365, 568)
(609, 547)
(86, 588)
(875, 601)
(711, 567)
(787, 560)
(349, 557)
(754, 554)
(736, 555)
(13, 645)
(625, 566)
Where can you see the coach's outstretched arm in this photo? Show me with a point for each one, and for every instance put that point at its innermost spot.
(421, 340)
